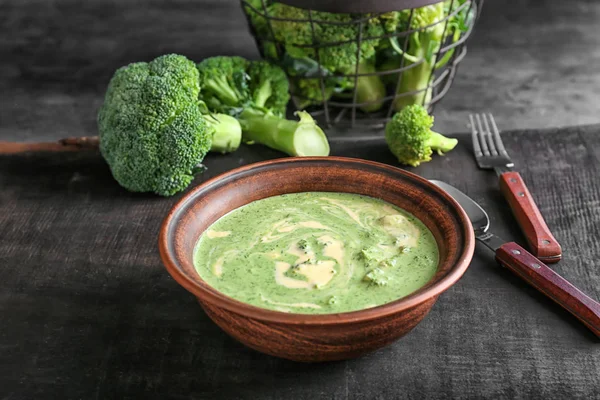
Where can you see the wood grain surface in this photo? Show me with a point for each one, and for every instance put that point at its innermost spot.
(89, 312)
(532, 62)
(548, 282)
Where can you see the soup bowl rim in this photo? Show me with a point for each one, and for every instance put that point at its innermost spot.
(204, 292)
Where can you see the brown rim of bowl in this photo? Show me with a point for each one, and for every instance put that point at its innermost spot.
(208, 293)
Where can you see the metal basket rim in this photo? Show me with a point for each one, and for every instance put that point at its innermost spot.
(358, 6)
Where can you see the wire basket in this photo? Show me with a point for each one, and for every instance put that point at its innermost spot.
(354, 62)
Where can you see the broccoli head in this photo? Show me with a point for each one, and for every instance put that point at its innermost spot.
(269, 87)
(225, 83)
(337, 36)
(306, 76)
(291, 25)
(232, 84)
(294, 29)
(153, 134)
(410, 138)
(256, 93)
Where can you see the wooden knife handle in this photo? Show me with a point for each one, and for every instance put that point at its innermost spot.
(541, 242)
(545, 280)
(62, 145)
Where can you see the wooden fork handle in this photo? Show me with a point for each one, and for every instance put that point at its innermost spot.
(548, 282)
(541, 241)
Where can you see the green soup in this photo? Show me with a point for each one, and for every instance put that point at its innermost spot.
(317, 253)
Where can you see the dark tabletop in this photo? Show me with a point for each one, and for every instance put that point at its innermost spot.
(89, 312)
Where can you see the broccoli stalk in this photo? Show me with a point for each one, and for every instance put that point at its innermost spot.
(414, 86)
(227, 134)
(421, 55)
(263, 93)
(440, 143)
(410, 138)
(296, 138)
(226, 130)
(423, 47)
(369, 89)
(263, 90)
(218, 84)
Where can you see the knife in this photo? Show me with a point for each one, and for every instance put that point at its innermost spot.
(526, 266)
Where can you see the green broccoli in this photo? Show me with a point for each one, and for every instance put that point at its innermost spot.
(423, 47)
(298, 36)
(227, 132)
(304, 245)
(410, 138)
(224, 84)
(269, 87)
(153, 133)
(309, 91)
(255, 93)
(296, 138)
(261, 29)
(376, 276)
(372, 255)
(307, 87)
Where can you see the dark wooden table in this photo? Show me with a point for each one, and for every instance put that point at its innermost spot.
(89, 312)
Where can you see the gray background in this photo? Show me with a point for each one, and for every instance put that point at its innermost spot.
(534, 63)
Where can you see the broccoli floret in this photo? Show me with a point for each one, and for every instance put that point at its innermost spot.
(307, 89)
(376, 276)
(372, 254)
(310, 92)
(292, 26)
(231, 84)
(255, 95)
(303, 244)
(410, 138)
(340, 58)
(294, 273)
(153, 134)
(269, 87)
(224, 84)
(391, 262)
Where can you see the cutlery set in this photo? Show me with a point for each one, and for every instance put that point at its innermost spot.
(491, 154)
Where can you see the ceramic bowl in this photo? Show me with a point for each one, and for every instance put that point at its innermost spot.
(322, 337)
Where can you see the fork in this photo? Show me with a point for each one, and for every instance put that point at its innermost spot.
(491, 154)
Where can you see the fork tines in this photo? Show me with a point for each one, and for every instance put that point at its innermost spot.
(486, 141)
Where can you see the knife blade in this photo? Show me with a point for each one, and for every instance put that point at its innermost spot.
(527, 266)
